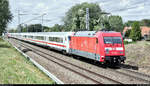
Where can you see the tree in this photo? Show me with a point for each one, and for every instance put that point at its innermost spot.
(135, 32)
(145, 22)
(57, 28)
(35, 28)
(12, 31)
(76, 16)
(116, 23)
(46, 29)
(127, 33)
(5, 15)
(129, 23)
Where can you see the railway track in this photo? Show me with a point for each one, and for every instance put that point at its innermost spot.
(46, 55)
(138, 76)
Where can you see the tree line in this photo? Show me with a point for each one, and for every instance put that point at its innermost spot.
(144, 22)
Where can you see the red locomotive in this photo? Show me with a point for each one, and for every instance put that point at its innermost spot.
(103, 46)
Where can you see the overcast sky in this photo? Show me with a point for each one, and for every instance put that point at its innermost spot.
(56, 9)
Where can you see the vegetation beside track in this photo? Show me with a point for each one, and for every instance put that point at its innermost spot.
(15, 69)
(138, 54)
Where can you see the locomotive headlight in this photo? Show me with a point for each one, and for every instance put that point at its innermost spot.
(107, 51)
(108, 48)
(119, 48)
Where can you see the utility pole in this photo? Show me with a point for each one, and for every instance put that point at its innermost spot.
(42, 21)
(19, 28)
(18, 21)
(87, 19)
(26, 27)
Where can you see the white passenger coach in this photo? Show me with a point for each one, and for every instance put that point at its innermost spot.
(56, 40)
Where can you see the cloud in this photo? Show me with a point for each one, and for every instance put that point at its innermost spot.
(55, 9)
(25, 4)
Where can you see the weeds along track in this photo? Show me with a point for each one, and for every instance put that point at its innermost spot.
(133, 74)
(60, 62)
(137, 75)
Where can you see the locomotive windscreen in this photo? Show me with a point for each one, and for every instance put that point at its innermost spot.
(112, 40)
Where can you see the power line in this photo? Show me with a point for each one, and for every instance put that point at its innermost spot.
(123, 9)
(33, 19)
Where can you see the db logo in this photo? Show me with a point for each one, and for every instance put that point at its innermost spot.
(113, 48)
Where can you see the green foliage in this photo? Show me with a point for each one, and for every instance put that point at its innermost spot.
(129, 23)
(76, 16)
(30, 28)
(126, 42)
(57, 28)
(135, 32)
(46, 29)
(5, 15)
(38, 28)
(127, 33)
(35, 28)
(145, 22)
(13, 31)
(116, 23)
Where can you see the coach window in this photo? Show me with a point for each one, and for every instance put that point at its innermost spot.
(40, 37)
(31, 37)
(61, 40)
(51, 39)
(55, 39)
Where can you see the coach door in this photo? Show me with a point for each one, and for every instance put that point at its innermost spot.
(67, 39)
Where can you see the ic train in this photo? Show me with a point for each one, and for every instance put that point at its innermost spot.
(102, 46)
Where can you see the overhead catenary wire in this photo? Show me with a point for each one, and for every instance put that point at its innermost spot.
(136, 4)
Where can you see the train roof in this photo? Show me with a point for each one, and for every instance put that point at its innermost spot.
(46, 33)
(91, 33)
(79, 33)
(85, 33)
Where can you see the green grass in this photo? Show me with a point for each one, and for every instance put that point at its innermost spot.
(15, 69)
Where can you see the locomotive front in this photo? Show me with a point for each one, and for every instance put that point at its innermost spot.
(113, 50)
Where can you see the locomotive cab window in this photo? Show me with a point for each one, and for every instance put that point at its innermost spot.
(108, 40)
(112, 40)
(117, 40)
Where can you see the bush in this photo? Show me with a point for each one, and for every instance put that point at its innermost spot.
(126, 42)
(127, 34)
(135, 33)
